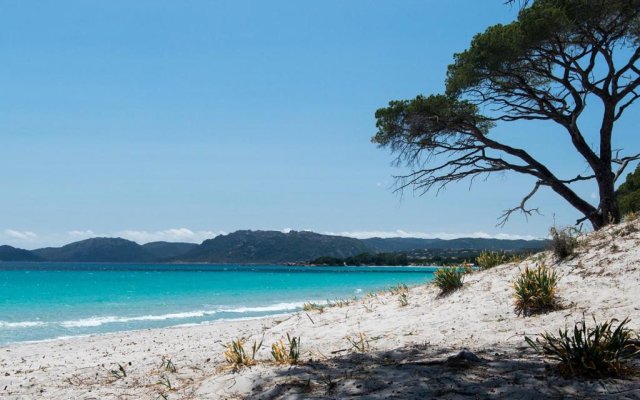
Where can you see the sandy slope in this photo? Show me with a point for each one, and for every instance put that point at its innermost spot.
(408, 346)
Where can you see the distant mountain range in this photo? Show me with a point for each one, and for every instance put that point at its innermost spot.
(252, 247)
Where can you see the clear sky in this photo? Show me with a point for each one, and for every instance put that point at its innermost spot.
(177, 120)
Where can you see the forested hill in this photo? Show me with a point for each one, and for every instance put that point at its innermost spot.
(253, 247)
(274, 246)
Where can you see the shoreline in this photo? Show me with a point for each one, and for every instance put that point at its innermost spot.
(400, 343)
(136, 331)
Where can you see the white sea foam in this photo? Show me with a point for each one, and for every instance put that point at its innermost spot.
(21, 324)
(273, 307)
(97, 321)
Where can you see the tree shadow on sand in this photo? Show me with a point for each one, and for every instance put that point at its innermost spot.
(422, 372)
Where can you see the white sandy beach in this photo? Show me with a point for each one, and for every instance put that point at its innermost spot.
(409, 346)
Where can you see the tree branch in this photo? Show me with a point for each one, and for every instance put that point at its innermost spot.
(502, 220)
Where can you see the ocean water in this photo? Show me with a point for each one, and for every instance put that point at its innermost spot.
(40, 301)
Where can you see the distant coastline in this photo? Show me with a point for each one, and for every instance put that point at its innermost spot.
(272, 247)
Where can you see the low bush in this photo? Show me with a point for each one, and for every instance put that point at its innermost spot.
(535, 290)
(449, 279)
(592, 352)
(564, 242)
(286, 353)
(489, 259)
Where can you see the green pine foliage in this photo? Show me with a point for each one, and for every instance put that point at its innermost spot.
(628, 194)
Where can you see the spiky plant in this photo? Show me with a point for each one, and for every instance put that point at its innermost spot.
(400, 288)
(359, 342)
(535, 290)
(593, 352)
(313, 307)
(286, 353)
(449, 279)
(489, 259)
(237, 357)
(404, 301)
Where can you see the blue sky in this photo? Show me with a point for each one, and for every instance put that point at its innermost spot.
(178, 120)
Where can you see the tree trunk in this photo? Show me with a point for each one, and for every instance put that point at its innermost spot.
(607, 209)
(608, 212)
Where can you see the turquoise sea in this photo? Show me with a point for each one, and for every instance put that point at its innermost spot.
(40, 301)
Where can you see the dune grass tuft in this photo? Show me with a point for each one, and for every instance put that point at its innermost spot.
(591, 352)
(535, 290)
(490, 259)
(449, 279)
(168, 365)
(359, 342)
(404, 301)
(288, 353)
(400, 288)
(313, 307)
(236, 355)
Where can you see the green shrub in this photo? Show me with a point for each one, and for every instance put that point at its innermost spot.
(489, 259)
(448, 279)
(286, 353)
(628, 194)
(564, 242)
(536, 290)
(594, 352)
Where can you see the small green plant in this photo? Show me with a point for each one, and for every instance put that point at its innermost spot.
(166, 382)
(237, 357)
(404, 301)
(329, 384)
(313, 307)
(490, 259)
(449, 279)
(167, 365)
(399, 289)
(286, 353)
(591, 352)
(535, 290)
(119, 373)
(341, 303)
(564, 242)
(359, 342)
